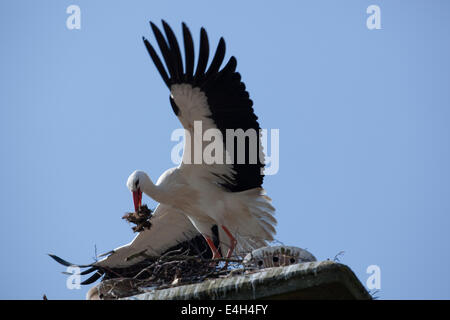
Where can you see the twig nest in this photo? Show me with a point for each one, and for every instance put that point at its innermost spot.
(276, 256)
(171, 269)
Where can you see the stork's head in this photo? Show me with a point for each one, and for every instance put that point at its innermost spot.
(136, 183)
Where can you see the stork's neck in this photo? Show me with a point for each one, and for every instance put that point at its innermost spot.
(153, 191)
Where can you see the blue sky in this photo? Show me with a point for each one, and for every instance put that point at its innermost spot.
(363, 118)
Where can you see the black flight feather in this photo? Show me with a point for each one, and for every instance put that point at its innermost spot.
(188, 53)
(159, 65)
(93, 278)
(175, 51)
(228, 100)
(165, 51)
(68, 264)
(217, 60)
(203, 56)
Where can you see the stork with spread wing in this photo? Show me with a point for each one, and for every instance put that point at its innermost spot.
(227, 194)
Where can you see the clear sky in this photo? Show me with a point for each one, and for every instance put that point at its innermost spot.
(363, 118)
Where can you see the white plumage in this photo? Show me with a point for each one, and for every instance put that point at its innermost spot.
(168, 229)
(229, 196)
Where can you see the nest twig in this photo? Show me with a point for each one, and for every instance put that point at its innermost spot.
(173, 268)
(169, 270)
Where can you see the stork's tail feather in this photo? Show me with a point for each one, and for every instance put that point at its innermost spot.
(256, 224)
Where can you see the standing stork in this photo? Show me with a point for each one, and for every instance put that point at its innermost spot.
(227, 195)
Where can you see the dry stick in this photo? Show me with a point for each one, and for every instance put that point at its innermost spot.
(144, 270)
(176, 264)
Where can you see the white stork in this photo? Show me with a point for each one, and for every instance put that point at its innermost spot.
(169, 231)
(227, 195)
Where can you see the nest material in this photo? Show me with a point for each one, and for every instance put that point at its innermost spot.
(180, 267)
(186, 264)
(141, 218)
(189, 263)
(169, 270)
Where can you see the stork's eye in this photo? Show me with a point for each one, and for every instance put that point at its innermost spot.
(136, 184)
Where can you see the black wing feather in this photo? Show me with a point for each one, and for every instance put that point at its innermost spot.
(203, 56)
(88, 271)
(159, 65)
(68, 264)
(188, 53)
(217, 60)
(194, 247)
(170, 62)
(225, 93)
(229, 102)
(93, 278)
(175, 51)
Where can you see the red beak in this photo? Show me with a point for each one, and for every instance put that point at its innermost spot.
(137, 199)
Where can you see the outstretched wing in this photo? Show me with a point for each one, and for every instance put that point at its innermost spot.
(170, 230)
(214, 98)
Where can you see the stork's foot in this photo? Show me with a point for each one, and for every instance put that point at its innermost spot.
(216, 255)
(215, 252)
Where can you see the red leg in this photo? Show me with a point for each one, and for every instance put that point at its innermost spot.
(214, 250)
(233, 241)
